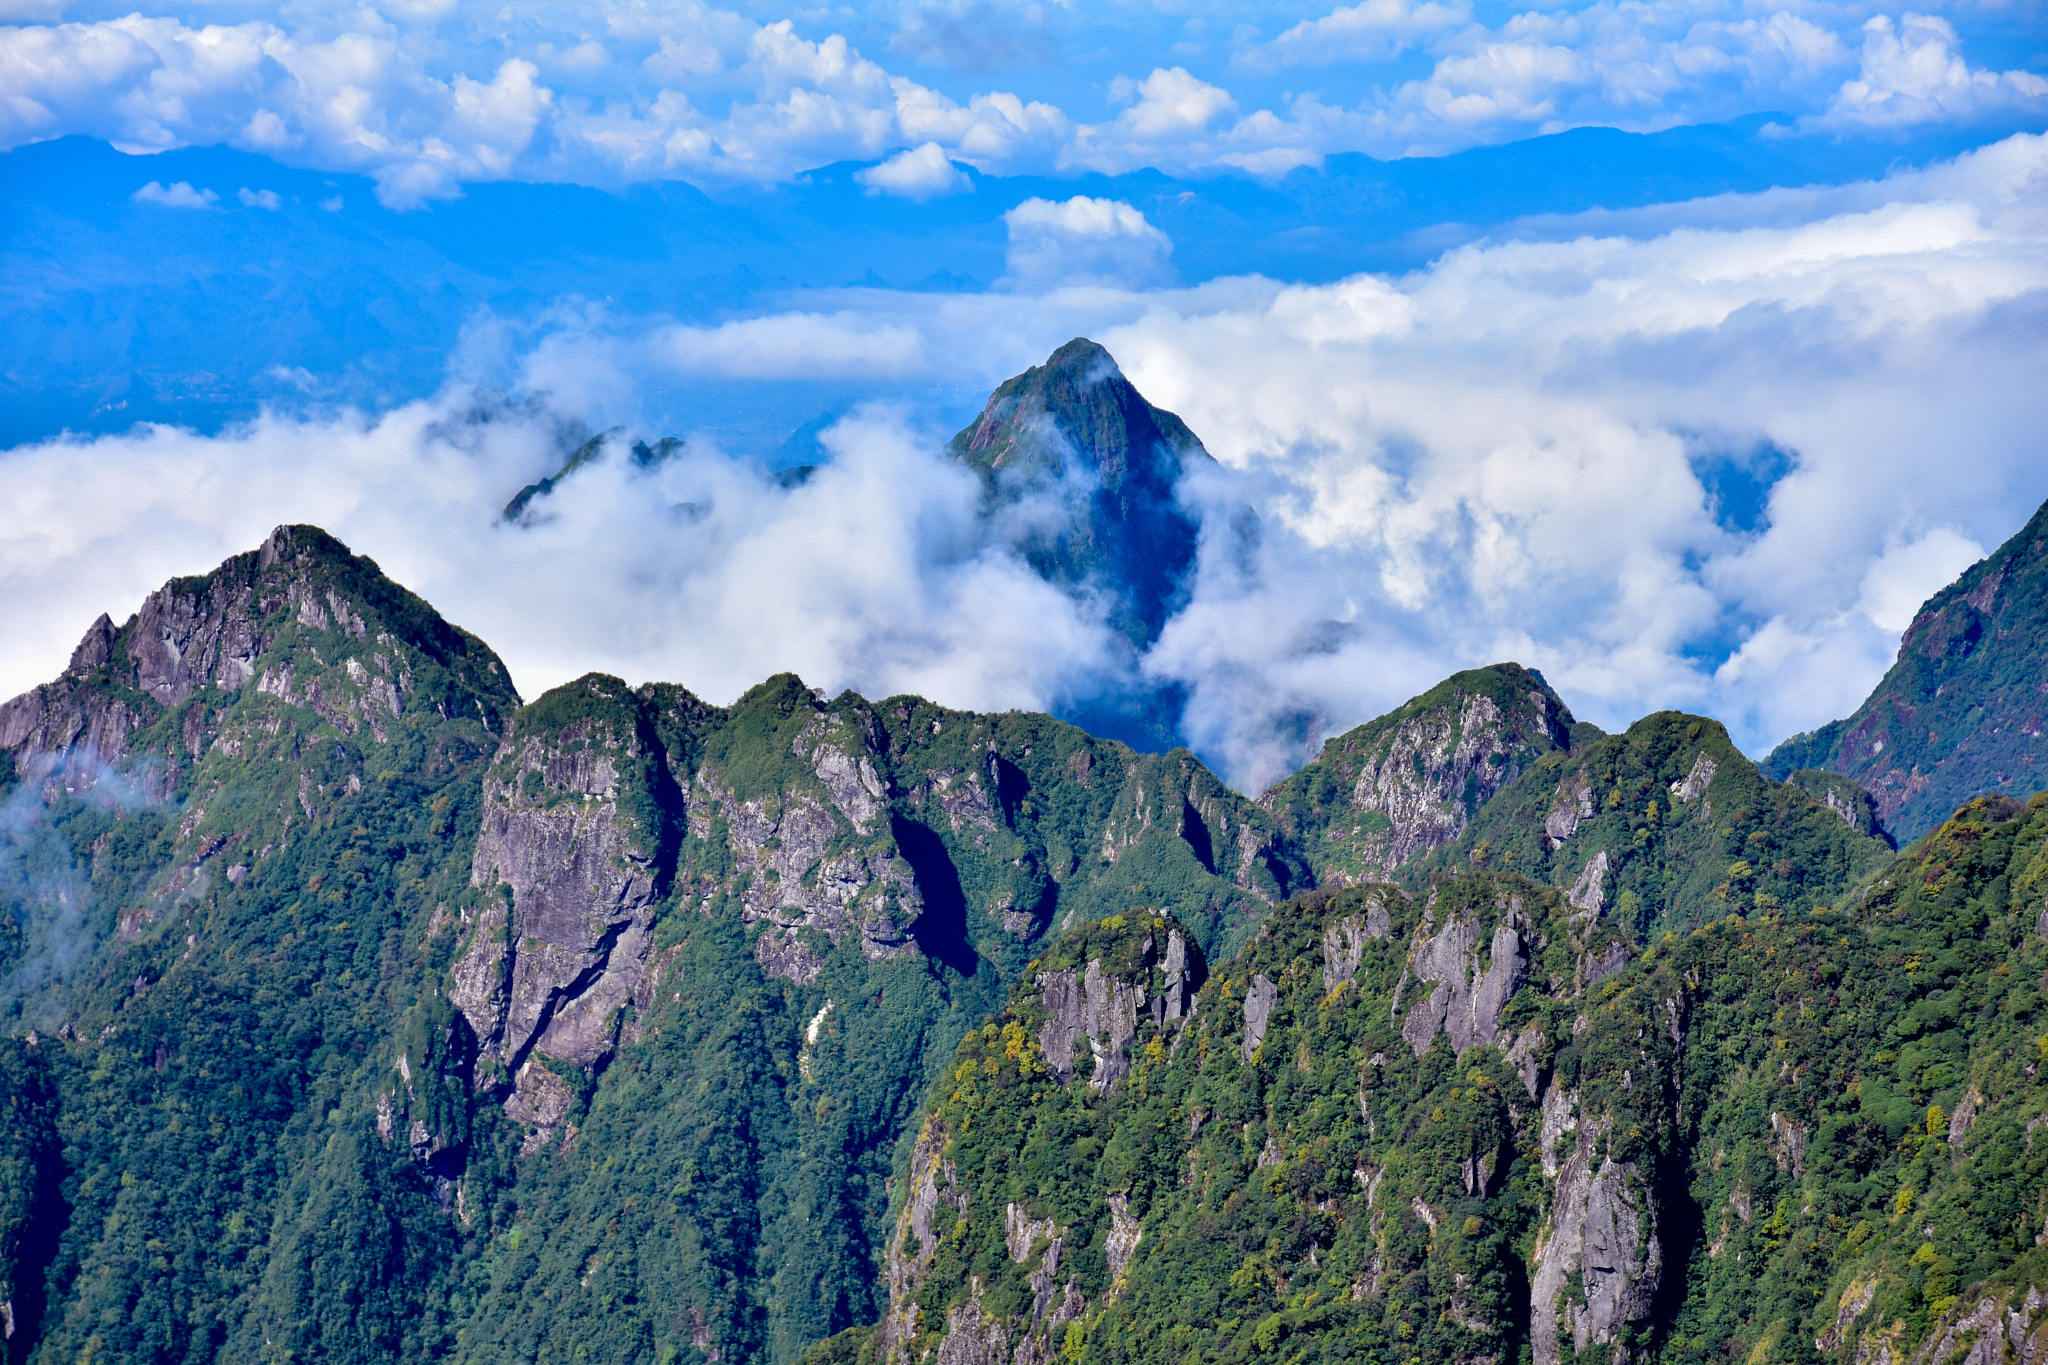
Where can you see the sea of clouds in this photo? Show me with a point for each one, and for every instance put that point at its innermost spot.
(1708, 456)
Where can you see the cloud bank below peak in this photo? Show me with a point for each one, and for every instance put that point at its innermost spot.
(1713, 467)
(426, 98)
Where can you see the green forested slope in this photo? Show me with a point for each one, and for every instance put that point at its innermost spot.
(355, 1011)
(1666, 826)
(1408, 782)
(1775, 1137)
(374, 1015)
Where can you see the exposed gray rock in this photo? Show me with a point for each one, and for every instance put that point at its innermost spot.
(1965, 1117)
(1789, 1151)
(779, 848)
(559, 976)
(1258, 1009)
(1855, 1300)
(1696, 782)
(1589, 892)
(973, 1337)
(1610, 961)
(1524, 1055)
(1089, 1005)
(1573, 803)
(1467, 1002)
(1124, 1235)
(1560, 1116)
(1174, 1001)
(1344, 948)
(932, 1179)
(1602, 1225)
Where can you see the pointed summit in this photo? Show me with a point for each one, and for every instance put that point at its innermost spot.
(1074, 429)
(300, 622)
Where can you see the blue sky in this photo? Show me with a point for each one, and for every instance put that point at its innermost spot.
(1678, 350)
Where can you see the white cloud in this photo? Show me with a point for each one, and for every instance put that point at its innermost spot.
(177, 195)
(1370, 31)
(1913, 73)
(920, 173)
(870, 576)
(1084, 241)
(425, 98)
(1503, 455)
(259, 199)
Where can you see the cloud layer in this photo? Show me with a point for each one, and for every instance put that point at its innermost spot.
(1712, 467)
(427, 96)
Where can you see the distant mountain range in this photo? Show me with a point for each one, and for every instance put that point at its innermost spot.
(318, 293)
(357, 1009)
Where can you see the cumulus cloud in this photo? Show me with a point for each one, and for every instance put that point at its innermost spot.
(259, 199)
(425, 99)
(1083, 241)
(873, 575)
(1914, 73)
(919, 173)
(178, 195)
(1531, 449)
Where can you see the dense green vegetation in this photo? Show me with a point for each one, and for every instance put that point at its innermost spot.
(1741, 843)
(245, 1113)
(1410, 780)
(1820, 1103)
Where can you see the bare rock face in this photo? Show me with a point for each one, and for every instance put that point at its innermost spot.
(1573, 803)
(1124, 975)
(1603, 1231)
(1089, 1006)
(932, 1180)
(1466, 1001)
(1589, 892)
(1258, 1010)
(208, 638)
(1344, 943)
(1415, 777)
(554, 969)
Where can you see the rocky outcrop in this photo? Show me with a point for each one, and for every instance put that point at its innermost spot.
(1465, 1001)
(1589, 892)
(1989, 1327)
(1413, 779)
(1258, 1011)
(1573, 803)
(1599, 1260)
(1344, 943)
(265, 613)
(800, 875)
(932, 1180)
(553, 962)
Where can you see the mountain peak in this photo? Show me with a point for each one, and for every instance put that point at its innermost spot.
(1076, 431)
(165, 681)
(1959, 713)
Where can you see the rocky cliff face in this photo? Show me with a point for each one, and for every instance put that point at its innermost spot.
(1051, 1216)
(1961, 712)
(1411, 781)
(1102, 999)
(300, 620)
(1486, 1120)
